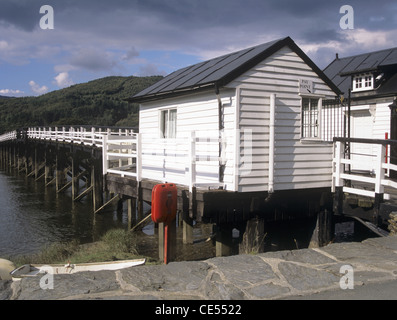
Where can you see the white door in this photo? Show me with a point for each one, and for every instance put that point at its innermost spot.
(362, 154)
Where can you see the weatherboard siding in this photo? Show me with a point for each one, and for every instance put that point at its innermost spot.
(298, 164)
(382, 120)
(167, 159)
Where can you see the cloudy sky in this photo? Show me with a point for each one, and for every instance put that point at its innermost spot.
(96, 38)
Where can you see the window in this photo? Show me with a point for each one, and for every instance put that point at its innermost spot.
(359, 83)
(310, 118)
(168, 124)
(368, 82)
(363, 82)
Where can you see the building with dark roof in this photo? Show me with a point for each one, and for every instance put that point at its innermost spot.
(255, 116)
(372, 79)
(371, 74)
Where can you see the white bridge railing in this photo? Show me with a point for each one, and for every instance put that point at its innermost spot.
(9, 136)
(122, 153)
(366, 171)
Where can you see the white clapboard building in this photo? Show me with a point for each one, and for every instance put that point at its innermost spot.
(249, 121)
(372, 79)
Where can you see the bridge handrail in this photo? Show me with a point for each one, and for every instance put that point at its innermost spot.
(379, 170)
(122, 149)
(9, 136)
(79, 135)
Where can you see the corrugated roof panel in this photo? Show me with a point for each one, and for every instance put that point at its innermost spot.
(345, 84)
(168, 79)
(334, 68)
(178, 81)
(355, 63)
(373, 60)
(205, 72)
(200, 77)
(219, 71)
(225, 66)
(390, 59)
(206, 69)
(390, 86)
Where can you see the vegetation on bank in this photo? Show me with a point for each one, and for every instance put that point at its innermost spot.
(116, 244)
(99, 102)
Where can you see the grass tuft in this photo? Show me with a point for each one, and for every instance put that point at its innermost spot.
(116, 244)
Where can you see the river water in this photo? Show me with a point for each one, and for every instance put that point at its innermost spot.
(33, 216)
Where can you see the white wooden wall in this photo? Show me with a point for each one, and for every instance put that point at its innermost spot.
(165, 159)
(375, 125)
(299, 164)
(382, 120)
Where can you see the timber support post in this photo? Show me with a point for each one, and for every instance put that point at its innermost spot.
(223, 240)
(60, 171)
(324, 230)
(131, 211)
(97, 184)
(75, 177)
(187, 220)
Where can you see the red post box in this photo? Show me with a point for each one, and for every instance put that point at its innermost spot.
(164, 203)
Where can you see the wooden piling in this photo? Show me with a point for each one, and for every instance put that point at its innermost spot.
(131, 211)
(75, 177)
(97, 184)
(223, 240)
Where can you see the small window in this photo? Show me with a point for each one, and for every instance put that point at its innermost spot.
(168, 124)
(368, 82)
(363, 82)
(359, 82)
(310, 118)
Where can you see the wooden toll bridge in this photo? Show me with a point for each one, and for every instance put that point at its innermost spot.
(95, 160)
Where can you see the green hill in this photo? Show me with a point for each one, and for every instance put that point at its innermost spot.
(98, 102)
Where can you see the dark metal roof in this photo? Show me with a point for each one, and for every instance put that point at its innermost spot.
(341, 70)
(219, 71)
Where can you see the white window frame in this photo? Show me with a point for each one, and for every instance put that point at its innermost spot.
(165, 130)
(363, 82)
(311, 136)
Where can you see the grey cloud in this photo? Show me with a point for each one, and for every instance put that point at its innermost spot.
(199, 27)
(92, 60)
(21, 14)
(319, 35)
(150, 70)
(131, 54)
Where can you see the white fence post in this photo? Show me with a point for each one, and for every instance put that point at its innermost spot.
(379, 172)
(339, 155)
(139, 157)
(104, 154)
(93, 135)
(192, 161)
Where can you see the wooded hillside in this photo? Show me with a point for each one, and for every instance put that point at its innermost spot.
(98, 102)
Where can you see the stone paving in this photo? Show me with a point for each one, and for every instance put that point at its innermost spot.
(272, 275)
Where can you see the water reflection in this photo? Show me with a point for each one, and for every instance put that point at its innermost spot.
(32, 216)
